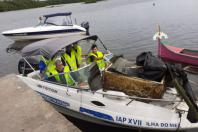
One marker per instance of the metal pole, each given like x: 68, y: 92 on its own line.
x: 103, y: 44
x: 184, y: 95
x: 141, y: 98
x: 29, y: 64
x: 159, y: 41
x: 31, y: 67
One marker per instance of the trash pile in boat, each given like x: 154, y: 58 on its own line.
x: 149, y: 78
x: 145, y: 79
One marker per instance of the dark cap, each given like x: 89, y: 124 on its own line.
x: 93, y: 46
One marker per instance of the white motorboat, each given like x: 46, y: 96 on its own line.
x: 52, y: 25
x: 113, y: 108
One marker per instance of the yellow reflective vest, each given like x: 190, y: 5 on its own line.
x: 78, y: 54
x: 50, y: 65
x: 68, y: 79
x: 101, y: 63
x: 42, y: 58
x: 71, y: 60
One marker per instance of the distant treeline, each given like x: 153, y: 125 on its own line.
x: 8, y: 5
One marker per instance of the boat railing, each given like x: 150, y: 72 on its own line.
x: 136, y: 98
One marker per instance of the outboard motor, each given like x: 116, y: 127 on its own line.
x: 86, y: 26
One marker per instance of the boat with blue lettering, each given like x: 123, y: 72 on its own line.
x: 89, y: 101
x: 50, y: 25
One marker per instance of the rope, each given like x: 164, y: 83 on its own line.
x: 180, y: 115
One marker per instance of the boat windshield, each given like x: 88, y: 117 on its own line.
x: 86, y: 46
x: 59, y: 21
x: 81, y: 76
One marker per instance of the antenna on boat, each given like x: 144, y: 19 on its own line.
x: 103, y: 45
x: 75, y: 21
x: 158, y: 36
x: 158, y: 28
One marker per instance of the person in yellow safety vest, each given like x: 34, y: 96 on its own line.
x: 49, y: 64
x: 60, y: 74
x: 78, y: 53
x: 97, y: 56
x: 70, y: 59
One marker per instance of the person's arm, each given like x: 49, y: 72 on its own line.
x: 99, y: 58
x: 92, y: 58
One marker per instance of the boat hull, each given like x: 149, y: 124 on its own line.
x: 39, y: 37
x: 43, y: 32
x: 77, y: 115
x: 71, y: 113
x: 174, y: 54
x: 97, y: 108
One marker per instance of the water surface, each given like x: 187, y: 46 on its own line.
x: 125, y: 26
